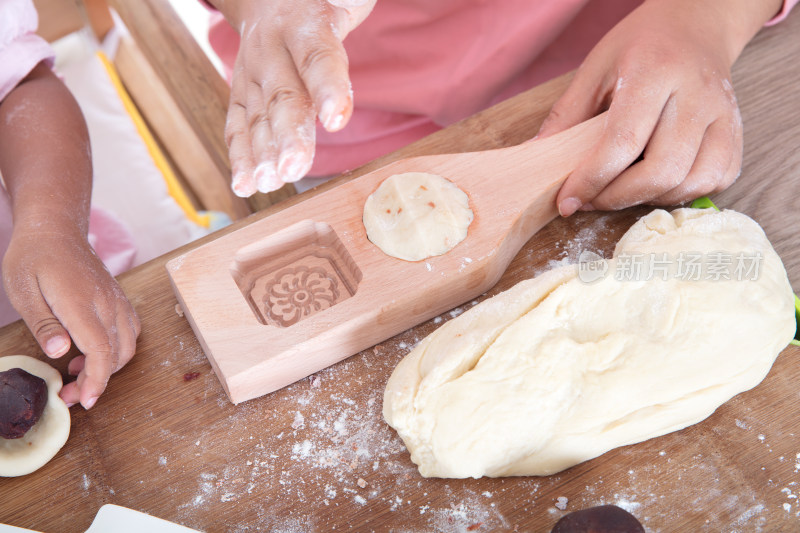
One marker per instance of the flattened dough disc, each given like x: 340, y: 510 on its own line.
x: 416, y: 215
x: 41, y: 443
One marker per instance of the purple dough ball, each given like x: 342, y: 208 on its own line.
x: 601, y: 519
x: 23, y: 397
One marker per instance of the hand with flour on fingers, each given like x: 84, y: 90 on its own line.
x: 290, y: 69
x: 51, y: 274
x: 673, y: 130
x: 65, y: 294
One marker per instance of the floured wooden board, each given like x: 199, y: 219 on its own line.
x: 300, y: 290
x: 317, y: 455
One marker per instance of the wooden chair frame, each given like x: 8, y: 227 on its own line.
x: 176, y: 88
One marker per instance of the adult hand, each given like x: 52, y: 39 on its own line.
x: 291, y: 67
x: 663, y: 73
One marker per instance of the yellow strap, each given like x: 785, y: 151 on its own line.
x: 173, y: 185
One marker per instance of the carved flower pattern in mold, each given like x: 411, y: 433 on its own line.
x: 300, y: 292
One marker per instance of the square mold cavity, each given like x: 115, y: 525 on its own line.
x: 295, y: 273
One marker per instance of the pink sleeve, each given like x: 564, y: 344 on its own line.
x: 20, y: 48
x: 787, y: 6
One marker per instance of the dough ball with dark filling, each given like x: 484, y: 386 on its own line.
x: 23, y: 397
x: 601, y: 519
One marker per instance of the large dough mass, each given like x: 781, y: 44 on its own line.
x: 22, y: 456
x: 417, y: 215
x: 556, y: 371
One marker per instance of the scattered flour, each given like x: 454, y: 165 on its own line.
x: 629, y: 506
x: 589, y: 238
x: 299, y: 421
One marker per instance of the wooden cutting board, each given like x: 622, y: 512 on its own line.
x: 225, y: 287
x: 317, y: 455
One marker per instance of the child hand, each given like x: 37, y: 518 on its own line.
x: 291, y: 67
x: 62, y: 289
x: 664, y: 74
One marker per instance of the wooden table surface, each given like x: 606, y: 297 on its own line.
x: 317, y: 456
